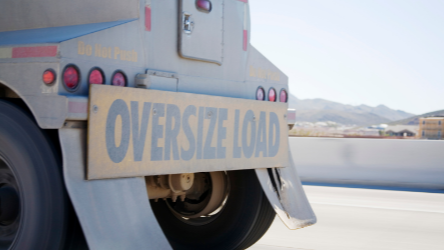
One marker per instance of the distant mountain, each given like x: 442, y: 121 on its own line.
x: 342, y: 117
x: 386, y: 112
x: 314, y: 110
x: 414, y: 120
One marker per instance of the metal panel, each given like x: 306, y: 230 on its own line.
x: 261, y: 71
x: 114, y: 214
x: 48, y: 108
x: 29, y: 14
x: 283, y: 188
x: 161, y: 51
x: 201, y: 33
x: 137, y: 132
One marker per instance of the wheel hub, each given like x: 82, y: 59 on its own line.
x: 9, y: 205
x: 204, y: 200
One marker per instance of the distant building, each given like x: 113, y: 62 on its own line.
x: 379, y: 127
x: 402, y: 130
x: 431, y: 128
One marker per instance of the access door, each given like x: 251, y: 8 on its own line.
x: 201, y: 30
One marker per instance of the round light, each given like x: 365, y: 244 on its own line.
x: 96, y: 77
x: 260, y: 94
x: 119, y: 80
x: 283, y: 95
x: 272, y: 95
x: 71, y: 77
x: 49, y: 76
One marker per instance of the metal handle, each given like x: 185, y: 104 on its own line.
x: 188, y: 23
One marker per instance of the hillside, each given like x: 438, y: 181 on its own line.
x: 314, y: 110
x: 414, y: 120
x: 342, y: 117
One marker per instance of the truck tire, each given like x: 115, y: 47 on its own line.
x: 243, y: 219
x: 33, y: 200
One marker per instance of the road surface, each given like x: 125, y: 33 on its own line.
x: 361, y: 219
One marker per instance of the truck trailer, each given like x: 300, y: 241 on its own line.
x: 141, y: 124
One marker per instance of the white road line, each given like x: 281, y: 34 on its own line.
x: 376, y: 207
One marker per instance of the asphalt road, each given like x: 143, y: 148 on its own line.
x: 356, y: 219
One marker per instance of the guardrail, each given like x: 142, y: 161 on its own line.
x: 381, y: 162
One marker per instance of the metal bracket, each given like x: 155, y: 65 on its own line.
x: 142, y: 81
x: 75, y: 124
x: 159, y: 73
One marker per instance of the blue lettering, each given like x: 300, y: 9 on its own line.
x: 222, y: 131
x: 200, y: 131
x: 274, y: 123
x: 249, y: 118
x: 209, y: 151
x: 139, y: 135
x: 118, y: 107
x: 188, y: 154
x: 171, y: 134
x: 157, y: 131
x: 261, y: 140
x: 236, y: 148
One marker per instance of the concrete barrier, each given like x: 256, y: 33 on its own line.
x: 398, y: 163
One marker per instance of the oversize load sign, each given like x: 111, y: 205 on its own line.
x: 138, y: 132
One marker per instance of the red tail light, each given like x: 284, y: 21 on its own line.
x: 283, y: 95
x: 119, y: 79
x: 260, y: 94
x: 96, y: 77
x: 204, y: 5
x: 272, y: 95
x: 49, y: 76
x: 71, y: 77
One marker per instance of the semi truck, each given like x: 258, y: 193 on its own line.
x: 141, y: 124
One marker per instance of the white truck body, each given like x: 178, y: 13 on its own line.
x: 173, y: 55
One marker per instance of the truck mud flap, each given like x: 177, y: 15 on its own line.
x: 113, y: 213
x: 286, y: 195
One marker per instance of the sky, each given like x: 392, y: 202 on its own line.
x: 370, y: 52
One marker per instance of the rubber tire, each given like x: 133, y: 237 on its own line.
x: 33, y: 160
x: 245, y: 218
